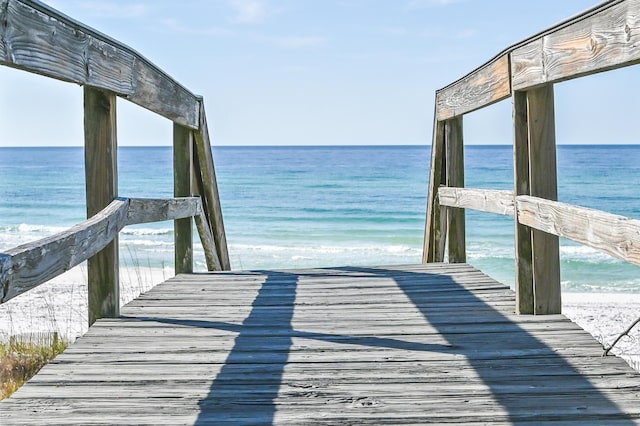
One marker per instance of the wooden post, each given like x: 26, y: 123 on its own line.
x: 524, y: 268
x: 544, y: 184
x: 537, y: 253
x: 182, y: 170
x: 455, y: 178
x: 101, y: 171
x: 435, y: 229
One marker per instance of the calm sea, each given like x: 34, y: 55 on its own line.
x: 288, y: 207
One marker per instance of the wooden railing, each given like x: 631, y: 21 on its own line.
x: 603, y: 38
x: 41, y: 40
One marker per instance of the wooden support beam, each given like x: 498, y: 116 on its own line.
x: 435, y: 228
x: 183, y: 228
x: 545, y: 248
x: 208, y: 188
x: 455, y: 178
x: 101, y: 189
x: 523, y: 257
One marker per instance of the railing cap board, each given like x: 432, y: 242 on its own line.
x: 474, y: 91
x: 40, y: 39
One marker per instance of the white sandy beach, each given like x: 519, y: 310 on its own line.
x: 61, y: 306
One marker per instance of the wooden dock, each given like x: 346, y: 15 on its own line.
x: 417, y: 344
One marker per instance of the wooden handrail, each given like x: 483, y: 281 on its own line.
x: 602, y: 38
x: 39, y: 39
x: 609, y: 233
x: 30, y: 265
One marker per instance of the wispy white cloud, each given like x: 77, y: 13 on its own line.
x: 249, y: 11
x: 176, y: 27
x: 293, y: 42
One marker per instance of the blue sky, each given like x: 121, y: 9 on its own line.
x: 298, y: 72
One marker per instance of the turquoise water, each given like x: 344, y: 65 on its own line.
x: 288, y: 207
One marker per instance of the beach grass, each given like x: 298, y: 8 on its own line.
x: 23, y: 356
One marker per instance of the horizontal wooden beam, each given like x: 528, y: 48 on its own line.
x: 32, y: 264
x: 485, y: 200
x: 616, y: 235
x: 146, y: 210
x: 482, y: 87
x: 602, y: 39
x: 39, y: 39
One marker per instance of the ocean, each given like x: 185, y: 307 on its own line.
x: 293, y: 207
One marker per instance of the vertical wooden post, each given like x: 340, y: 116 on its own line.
x: 544, y: 184
x: 524, y: 268
x: 101, y: 171
x: 435, y: 229
x: 182, y: 174
x: 455, y: 178
x: 537, y: 253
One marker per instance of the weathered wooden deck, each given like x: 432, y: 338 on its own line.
x: 402, y: 345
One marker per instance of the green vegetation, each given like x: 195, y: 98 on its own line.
x: 21, y: 358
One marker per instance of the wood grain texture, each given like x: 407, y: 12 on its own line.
x: 412, y: 344
x: 616, y: 235
x: 606, y: 38
x: 182, y: 172
x: 522, y: 234
x: 208, y: 189
x: 543, y: 182
x: 32, y: 264
x: 147, y: 210
x: 101, y: 177
x: 208, y: 242
x: 435, y: 227
x: 484, y: 200
x: 456, y: 233
x: 480, y: 88
x: 39, y: 39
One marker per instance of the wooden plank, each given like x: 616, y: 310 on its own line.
x: 101, y: 165
x: 39, y: 39
x: 182, y: 228
x: 456, y: 236
x: 543, y: 183
x: 147, y: 210
x: 484, y: 200
x: 208, y: 242
x: 603, y: 39
x: 435, y: 228
x: 523, y: 253
x: 482, y: 87
x: 209, y: 190
x: 616, y: 235
x: 290, y: 348
x: 32, y: 264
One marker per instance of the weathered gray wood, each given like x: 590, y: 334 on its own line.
x: 482, y: 87
x: 523, y: 254
x: 435, y: 229
x: 101, y: 171
x: 39, y: 39
x: 605, y: 38
x: 456, y: 235
x: 32, y: 264
x: 147, y: 210
x: 484, y: 200
x: 616, y: 235
x: 545, y: 248
x: 208, y: 242
x: 183, y: 228
x: 209, y: 189
x: 279, y: 353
